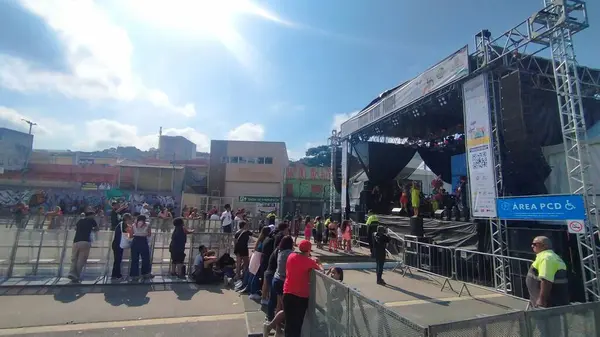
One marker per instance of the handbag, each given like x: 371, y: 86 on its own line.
x: 255, y: 262
x: 125, y: 241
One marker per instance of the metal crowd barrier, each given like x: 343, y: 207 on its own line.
x: 46, y: 253
x: 335, y: 310
x: 471, y: 268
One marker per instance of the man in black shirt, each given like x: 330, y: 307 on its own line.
x: 269, y: 246
x: 115, y: 214
x: 82, y: 244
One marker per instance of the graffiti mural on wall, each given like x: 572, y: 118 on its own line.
x: 75, y: 201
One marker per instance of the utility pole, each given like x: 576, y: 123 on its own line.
x: 31, y: 125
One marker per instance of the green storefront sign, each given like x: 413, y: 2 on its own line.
x: 264, y: 200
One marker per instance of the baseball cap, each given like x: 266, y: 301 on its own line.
x: 305, y: 246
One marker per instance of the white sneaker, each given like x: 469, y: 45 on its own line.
x: 254, y: 297
x: 266, y: 329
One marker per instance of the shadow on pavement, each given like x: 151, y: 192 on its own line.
x: 135, y: 296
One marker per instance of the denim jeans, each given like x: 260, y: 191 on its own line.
x: 254, y: 283
x: 276, y: 289
x: 379, y: 268
x: 140, y: 248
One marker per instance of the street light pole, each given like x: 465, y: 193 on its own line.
x: 31, y: 125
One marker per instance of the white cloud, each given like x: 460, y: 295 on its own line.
x: 247, y: 131
x: 96, y: 134
x: 104, y: 133
x: 295, y: 155
x: 98, y: 53
x: 338, y: 119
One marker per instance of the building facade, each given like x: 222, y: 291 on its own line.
x: 176, y: 148
x: 307, y: 190
x: 248, y: 172
x: 15, y: 147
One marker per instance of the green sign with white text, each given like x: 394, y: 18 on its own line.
x: 264, y: 200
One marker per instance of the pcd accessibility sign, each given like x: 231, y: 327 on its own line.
x: 542, y: 207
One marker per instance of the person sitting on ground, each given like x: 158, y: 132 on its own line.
x: 226, y: 265
x: 203, y: 267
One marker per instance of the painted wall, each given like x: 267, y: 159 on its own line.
x: 307, y: 189
x: 67, y: 198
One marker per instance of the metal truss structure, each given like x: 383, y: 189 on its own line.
x: 552, y: 27
x: 334, y: 144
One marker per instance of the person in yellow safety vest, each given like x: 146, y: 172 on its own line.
x: 546, y: 280
x: 326, y: 231
x: 271, y: 218
x: 372, y: 223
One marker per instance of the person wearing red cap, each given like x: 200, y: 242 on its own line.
x: 296, y: 288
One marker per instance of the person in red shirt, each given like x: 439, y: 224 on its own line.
x: 296, y: 288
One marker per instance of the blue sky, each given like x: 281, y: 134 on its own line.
x: 107, y: 73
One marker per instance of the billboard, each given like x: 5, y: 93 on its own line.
x: 451, y: 69
x: 480, y: 162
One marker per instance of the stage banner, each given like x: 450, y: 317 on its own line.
x: 480, y: 161
x: 344, y: 178
x: 451, y: 69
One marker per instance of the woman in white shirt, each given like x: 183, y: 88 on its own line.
x: 139, y: 234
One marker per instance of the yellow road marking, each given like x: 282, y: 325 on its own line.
x: 441, y: 300
x: 118, y: 324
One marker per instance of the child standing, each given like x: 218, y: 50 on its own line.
x: 308, y: 227
x: 319, y: 232
x: 347, y: 235
x: 333, y: 236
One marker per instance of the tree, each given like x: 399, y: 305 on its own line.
x: 319, y: 156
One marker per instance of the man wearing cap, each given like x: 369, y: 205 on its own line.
x: 296, y: 288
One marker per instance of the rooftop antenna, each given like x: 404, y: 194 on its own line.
x: 159, y: 138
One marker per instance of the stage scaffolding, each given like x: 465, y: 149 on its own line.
x: 552, y: 27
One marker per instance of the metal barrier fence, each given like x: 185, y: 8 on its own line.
x: 69, y: 221
x: 335, y: 310
x: 471, y: 268
x: 46, y: 253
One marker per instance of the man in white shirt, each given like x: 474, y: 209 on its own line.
x: 226, y: 219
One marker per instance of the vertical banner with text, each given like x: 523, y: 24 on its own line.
x: 344, y: 178
x: 480, y: 161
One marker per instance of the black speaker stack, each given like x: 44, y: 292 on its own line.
x: 525, y: 168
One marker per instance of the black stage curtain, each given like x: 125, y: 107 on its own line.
x: 439, y: 161
x: 386, y: 161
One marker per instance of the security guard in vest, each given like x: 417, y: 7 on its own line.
x: 547, y: 278
x: 271, y: 218
x: 372, y: 223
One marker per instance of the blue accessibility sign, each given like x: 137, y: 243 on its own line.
x: 543, y: 207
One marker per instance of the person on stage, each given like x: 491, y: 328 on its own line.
x: 380, y: 242
x: 415, y: 198
x: 462, y: 196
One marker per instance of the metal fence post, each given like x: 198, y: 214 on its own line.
x: 39, y: 253
x: 13, y: 253
x: 63, y: 253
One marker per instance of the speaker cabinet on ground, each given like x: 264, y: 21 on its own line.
x: 416, y: 226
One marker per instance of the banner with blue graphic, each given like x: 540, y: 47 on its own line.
x: 543, y: 207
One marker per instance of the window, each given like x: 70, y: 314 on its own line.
x: 234, y: 160
x: 261, y: 160
x: 242, y: 160
x: 225, y: 160
x: 252, y: 160
x: 268, y: 160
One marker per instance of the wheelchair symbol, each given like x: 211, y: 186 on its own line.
x: 569, y: 206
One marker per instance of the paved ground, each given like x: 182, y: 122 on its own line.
x: 166, y: 310
x: 420, y: 298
